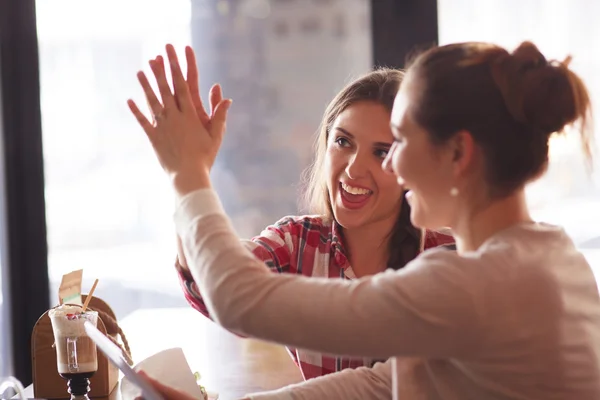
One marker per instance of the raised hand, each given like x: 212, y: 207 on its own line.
x: 184, y: 137
x: 215, y: 94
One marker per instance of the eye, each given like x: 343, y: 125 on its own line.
x: 342, y: 141
x: 381, y: 153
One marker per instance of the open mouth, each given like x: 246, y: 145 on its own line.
x: 355, y: 191
x: 354, y: 197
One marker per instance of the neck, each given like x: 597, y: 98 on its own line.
x: 368, y: 247
x: 478, y: 224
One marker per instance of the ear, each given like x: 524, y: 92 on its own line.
x: 461, y: 148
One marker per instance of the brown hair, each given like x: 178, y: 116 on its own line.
x: 511, y: 103
x: 380, y: 86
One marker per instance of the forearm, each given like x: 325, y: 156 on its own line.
x: 417, y: 311
x: 349, y: 384
x: 181, y: 255
x: 257, y: 303
x: 183, y: 185
x: 189, y: 286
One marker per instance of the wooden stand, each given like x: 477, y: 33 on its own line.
x: 47, y: 383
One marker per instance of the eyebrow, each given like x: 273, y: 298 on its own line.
x: 351, y: 136
x: 345, y: 132
x: 395, y: 129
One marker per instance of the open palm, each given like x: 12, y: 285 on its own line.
x: 185, y: 138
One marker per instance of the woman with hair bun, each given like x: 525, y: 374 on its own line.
x: 514, y: 313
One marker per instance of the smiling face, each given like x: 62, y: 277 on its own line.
x: 360, y: 191
x: 422, y: 167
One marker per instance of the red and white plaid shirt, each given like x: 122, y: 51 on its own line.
x: 310, y: 246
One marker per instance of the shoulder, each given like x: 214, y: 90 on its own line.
x: 292, y: 233
x: 439, y: 259
x: 294, y: 227
x: 542, y: 247
x: 443, y: 272
x: 502, y: 258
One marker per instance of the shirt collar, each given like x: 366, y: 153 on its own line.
x: 338, y: 250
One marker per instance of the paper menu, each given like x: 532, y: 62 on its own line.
x: 169, y: 367
x: 70, y: 288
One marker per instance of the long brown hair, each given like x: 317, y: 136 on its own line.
x: 379, y: 86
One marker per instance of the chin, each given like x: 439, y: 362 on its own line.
x: 425, y: 221
x: 417, y: 223
x: 419, y: 219
x: 345, y: 220
x: 348, y: 221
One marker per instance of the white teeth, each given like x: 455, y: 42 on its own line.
x: 355, y: 190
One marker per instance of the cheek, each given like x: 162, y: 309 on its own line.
x: 388, y: 186
x: 331, y: 168
x: 416, y: 168
x: 335, y: 160
x: 328, y: 162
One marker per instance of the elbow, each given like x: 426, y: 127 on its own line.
x: 223, y: 317
x: 232, y: 297
x: 231, y: 321
x: 229, y: 314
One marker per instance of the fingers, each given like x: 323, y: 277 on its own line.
x: 193, y: 82
x: 219, y: 118
x: 153, y: 102
x: 141, y: 118
x: 158, y: 69
x: 182, y: 92
x: 216, y: 96
x: 185, y: 93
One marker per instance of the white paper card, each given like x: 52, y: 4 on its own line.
x: 169, y: 367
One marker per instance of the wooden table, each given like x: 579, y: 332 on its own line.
x: 229, y: 365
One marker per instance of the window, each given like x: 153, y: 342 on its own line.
x: 108, y: 202
x: 568, y: 195
x: 4, y: 328
x: 6, y: 367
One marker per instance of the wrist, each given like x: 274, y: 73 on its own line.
x: 184, y: 271
x: 185, y: 183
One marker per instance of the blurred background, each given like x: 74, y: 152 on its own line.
x: 82, y: 188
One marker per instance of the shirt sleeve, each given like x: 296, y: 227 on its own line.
x: 428, y: 309
x: 349, y: 384
x: 276, y: 245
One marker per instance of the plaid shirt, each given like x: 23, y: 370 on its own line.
x: 309, y: 246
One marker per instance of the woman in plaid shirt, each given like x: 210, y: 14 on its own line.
x: 361, y: 223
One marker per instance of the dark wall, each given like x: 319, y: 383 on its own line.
x: 401, y: 27
x: 23, y: 217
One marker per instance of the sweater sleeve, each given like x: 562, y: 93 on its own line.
x: 428, y: 309
x: 275, y: 247
x: 349, y: 384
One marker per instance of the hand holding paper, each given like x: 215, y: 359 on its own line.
x: 171, y: 368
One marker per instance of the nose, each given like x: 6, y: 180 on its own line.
x: 357, y: 166
x: 387, y: 161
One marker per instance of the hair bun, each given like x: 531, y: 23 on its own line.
x: 528, y: 57
x: 536, y: 92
